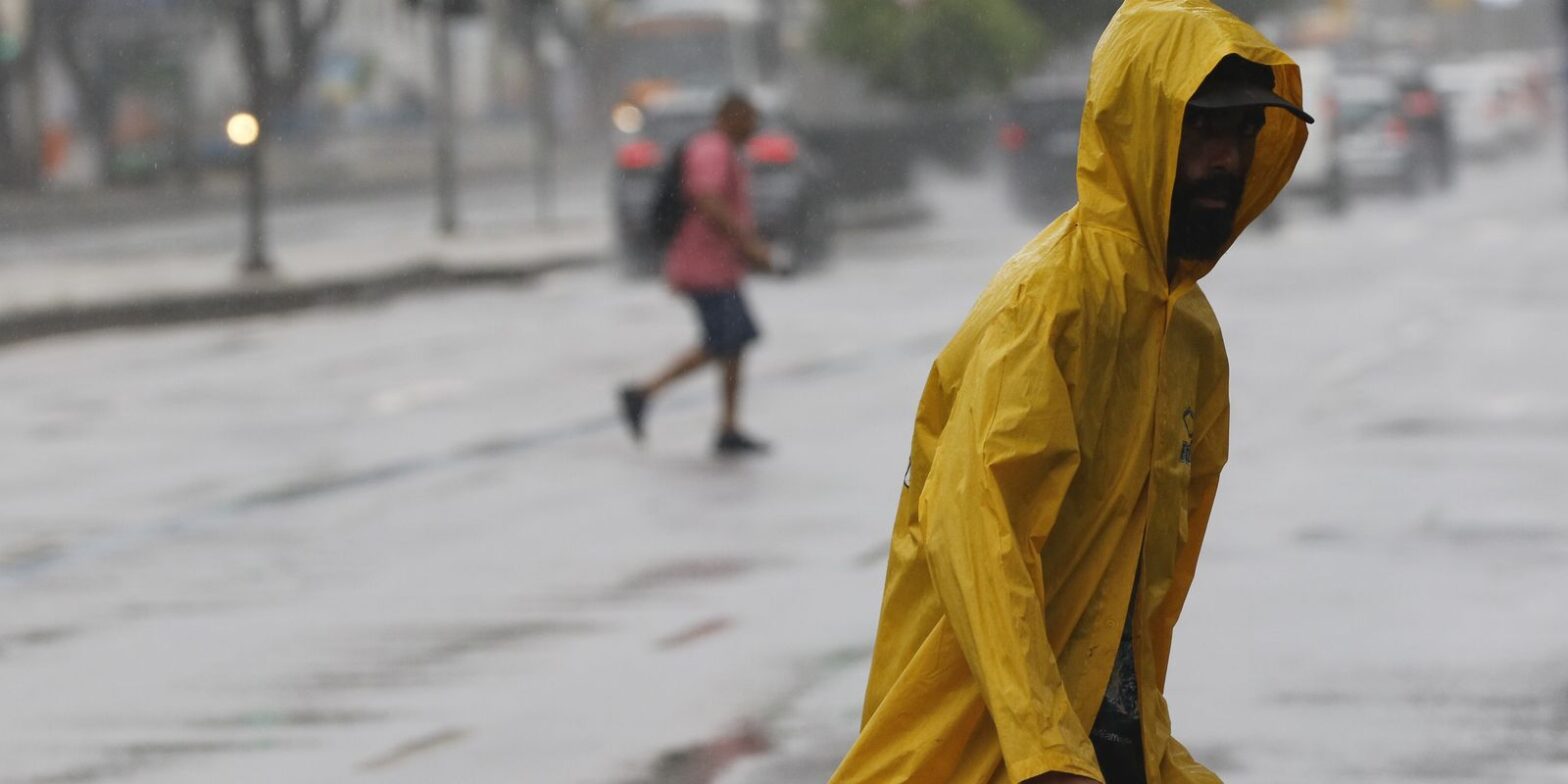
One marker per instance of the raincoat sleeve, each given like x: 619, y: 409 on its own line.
x: 1209, y: 455
x: 1210, y: 451
x: 999, y: 474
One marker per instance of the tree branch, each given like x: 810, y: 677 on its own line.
x: 68, y: 15
x: 304, y: 45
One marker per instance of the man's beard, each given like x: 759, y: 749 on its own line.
x: 1199, y: 233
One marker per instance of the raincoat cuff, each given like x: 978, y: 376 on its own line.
x: 1053, y: 762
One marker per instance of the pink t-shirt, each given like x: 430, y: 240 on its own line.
x: 701, y: 258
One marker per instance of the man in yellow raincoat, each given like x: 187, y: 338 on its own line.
x: 1070, y: 438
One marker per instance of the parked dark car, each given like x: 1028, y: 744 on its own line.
x: 790, y: 193
x: 1039, y: 139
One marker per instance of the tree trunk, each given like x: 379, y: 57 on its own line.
x: 445, y: 124
x: 100, y: 125
x: 10, y: 156
x: 185, y: 131
x: 257, y: 261
x: 95, y: 87
x: 541, y: 113
x: 33, y: 119
x: 21, y: 115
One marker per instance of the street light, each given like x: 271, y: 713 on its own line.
x: 243, y: 129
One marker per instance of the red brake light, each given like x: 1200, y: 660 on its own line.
x: 1013, y: 137
x: 775, y: 149
x: 641, y: 154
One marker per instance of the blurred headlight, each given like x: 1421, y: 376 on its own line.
x: 627, y: 118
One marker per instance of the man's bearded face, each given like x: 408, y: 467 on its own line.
x: 1216, y: 154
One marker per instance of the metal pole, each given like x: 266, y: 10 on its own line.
x: 445, y: 124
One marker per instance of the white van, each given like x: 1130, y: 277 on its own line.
x: 1320, y: 173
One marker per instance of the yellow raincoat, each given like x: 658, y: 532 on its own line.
x: 1071, y: 432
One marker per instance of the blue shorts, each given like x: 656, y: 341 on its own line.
x: 726, y: 323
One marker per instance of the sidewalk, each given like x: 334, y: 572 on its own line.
x: 98, y: 289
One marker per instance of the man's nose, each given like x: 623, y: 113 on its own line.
x: 1222, y: 155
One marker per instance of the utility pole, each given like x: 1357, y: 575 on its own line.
x: 445, y: 121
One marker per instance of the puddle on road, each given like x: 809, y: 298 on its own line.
x: 1470, y: 534
x: 25, y: 556
x: 414, y: 747
x: 414, y: 655
x: 122, y: 762
x: 684, y: 572
x: 1322, y: 535
x: 1538, y: 536
x: 1223, y: 760
x: 875, y: 555
x: 1445, y: 426
x: 286, y: 719
x: 693, y: 633
x: 705, y: 762
x: 1492, y: 735
x: 16, y: 642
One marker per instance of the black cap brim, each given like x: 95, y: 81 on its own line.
x: 1238, y: 95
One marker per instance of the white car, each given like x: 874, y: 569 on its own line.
x: 1479, y: 97
x: 1320, y: 172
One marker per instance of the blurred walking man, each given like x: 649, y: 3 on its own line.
x: 706, y: 262
x: 1069, y: 442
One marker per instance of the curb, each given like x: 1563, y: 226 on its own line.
x: 271, y: 299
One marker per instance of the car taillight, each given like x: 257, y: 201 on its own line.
x: 1013, y: 137
x: 641, y: 154
x: 773, y: 149
x: 1398, y: 131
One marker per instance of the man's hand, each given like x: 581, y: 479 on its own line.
x: 1060, y: 778
x: 758, y: 254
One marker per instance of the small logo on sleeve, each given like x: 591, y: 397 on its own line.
x: 1189, y: 420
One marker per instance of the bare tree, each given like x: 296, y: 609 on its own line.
x: 527, y: 20
x: 272, y: 91
x: 102, y: 44
x: 94, y: 79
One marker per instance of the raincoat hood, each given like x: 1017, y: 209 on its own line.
x: 1148, y: 64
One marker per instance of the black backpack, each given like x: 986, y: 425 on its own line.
x: 669, y: 203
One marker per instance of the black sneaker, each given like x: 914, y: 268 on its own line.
x: 633, y: 402
x: 733, y: 443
